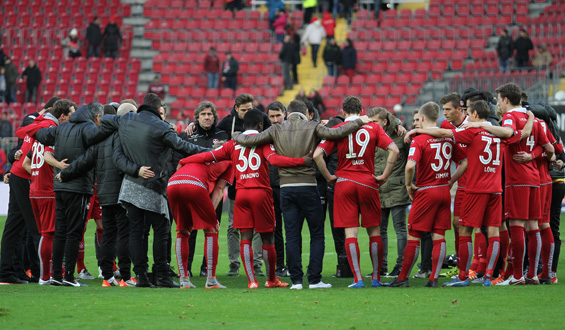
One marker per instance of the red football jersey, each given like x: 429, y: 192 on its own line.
x: 251, y: 169
x: 484, y: 159
x: 41, y: 172
x: 356, y: 153
x: 207, y: 174
x: 526, y: 174
x: 17, y: 168
x: 542, y: 163
x: 433, y: 159
x: 462, y: 182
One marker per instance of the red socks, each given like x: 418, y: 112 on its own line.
x: 211, y: 249
x: 518, y: 247
x: 182, y: 249
x: 504, y: 242
x: 547, y: 249
x: 45, y: 255
x: 492, y: 255
x: 376, y: 251
x: 457, y: 242
x: 534, y: 251
x: 438, y: 255
x: 465, y: 250
x: 481, y: 256
x: 270, y: 260
x: 352, y: 250
x: 411, y: 253
x: 246, y: 253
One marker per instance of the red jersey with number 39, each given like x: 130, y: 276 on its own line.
x: 433, y: 159
x: 462, y: 182
x: 356, y: 152
x: 526, y: 174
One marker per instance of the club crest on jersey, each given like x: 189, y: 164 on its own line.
x: 272, y: 147
x: 412, y: 151
x: 215, y: 141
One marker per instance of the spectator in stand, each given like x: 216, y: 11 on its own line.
x: 349, y: 59
x: 329, y: 25
x: 542, y: 58
x: 301, y: 96
x: 11, y: 77
x: 504, y: 49
x: 523, y: 45
x: 230, y: 67
x: 332, y: 57
x: 286, y: 55
x: 157, y: 87
x: 71, y: 46
x: 3, y: 56
x: 274, y: 6
x: 280, y: 24
x: 347, y: 6
x: 257, y: 104
x: 317, y: 101
x: 313, y: 35
x: 2, y: 84
x: 212, y: 68
x: 33, y: 75
x: 296, y: 58
x: 309, y: 6
x: 94, y: 37
x: 3, y: 161
x: 5, y: 126
x: 112, y: 39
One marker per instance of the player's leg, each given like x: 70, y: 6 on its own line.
x: 353, y: 257
x: 410, y: 257
x: 534, y: 250
x: 438, y: 254
x: 465, y: 252
x: 547, y: 241
x: 246, y: 253
x: 517, y: 209
x: 376, y: 253
x: 492, y: 252
x: 80, y: 258
x: 504, y: 244
x: 385, y: 214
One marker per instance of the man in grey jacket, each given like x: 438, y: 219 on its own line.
x: 296, y: 137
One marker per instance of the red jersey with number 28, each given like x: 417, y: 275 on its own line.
x: 251, y: 169
x: 433, y: 159
x: 356, y: 152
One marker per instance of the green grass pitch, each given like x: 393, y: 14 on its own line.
x: 32, y: 306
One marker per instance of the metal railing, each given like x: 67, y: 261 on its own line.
x: 556, y: 74
x: 8, y: 143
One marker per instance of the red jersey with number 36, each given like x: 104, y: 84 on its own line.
x: 433, y: 159
x: 526, y: 174
x: 356, y: 152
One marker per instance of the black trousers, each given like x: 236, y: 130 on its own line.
x: 138, y: 240
x: 427, y: 245
x: 70, y: 218
x: 558, y: 192
x: 337, y: 233
x: 192, y: 241
x: 279, y: 237
x: 115, y: 241
x: 20, y: 217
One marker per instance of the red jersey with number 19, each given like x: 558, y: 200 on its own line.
x: 356, y: 152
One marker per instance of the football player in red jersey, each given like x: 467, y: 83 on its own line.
x: 357, y: 188
x: 431, y: 209
x: 254, y: 201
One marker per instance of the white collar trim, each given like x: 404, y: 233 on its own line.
x: 351, y: 118
x: 250, y: 131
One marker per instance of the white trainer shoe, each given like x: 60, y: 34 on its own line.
x: 320, y: 285
x: 297, y: 286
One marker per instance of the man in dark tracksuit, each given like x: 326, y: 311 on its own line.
x: 147, y: 139
x: 71, y: 139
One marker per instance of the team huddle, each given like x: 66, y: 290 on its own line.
x: 67, y: 154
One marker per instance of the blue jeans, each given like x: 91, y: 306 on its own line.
x: 399, y: 221
x: 297, y: 203
x: 231, y: 82
x: 93, y: 50
x: 504, y: 65
x: 315, y: 49
x: 212, y: 80
x: 332, y: 69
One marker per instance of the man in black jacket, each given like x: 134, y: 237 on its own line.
x: 523, y: 45
x: 147, y: 139
x: 33, y: 80
x: 504, y: 49
x: 94, y: 37
x: 70, y: 140
x: 332, y: 57
x: 206, y: 134
x: 230, y: 67
x: 286, y: 55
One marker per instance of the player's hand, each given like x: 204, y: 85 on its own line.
x: 324, y: 122
x: 450, y: 183
x: 190, y: 129
x: 558, y: 164
x: 400, y: 130
x: 409, y: 136
x: 522, y: 157
x: 63, y: 164
x: 380, y: 179
x: 7, y: 178
x: 145, y: 172
x: 218, y: 144
x: 58, y: 177
x: 365, y: 119
x: 217, y: 227
x: 332, y: 179
x: 530, y: 114
x: 179, y: 166
x: 471, y: 125
x: 308, y: 160
x: 412, y: 190
x: 18, y: 154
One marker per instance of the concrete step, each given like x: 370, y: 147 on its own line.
x: 143, y: 53
x: 141, y: 43
x: 134, y: 2
x: 135, y: 21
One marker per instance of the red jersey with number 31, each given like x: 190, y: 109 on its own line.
x: 356, y: 153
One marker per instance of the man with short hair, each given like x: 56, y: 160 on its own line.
x: 33, y: 79
x: 299, y: 194
x: 357, y: 188
x: 94, y: 37
x: 230, y: 67
x: 212, y: 68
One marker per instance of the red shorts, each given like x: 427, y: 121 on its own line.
x: 521, y: 203
x: 94, y: 209
x: 482, y: 210
x: 545, y: 202
x: 44, y: 212
x: 458, y: 202
x: 191, y: 206
x: 254, y: 209
x: 431, y: 210
x: 354, y: 198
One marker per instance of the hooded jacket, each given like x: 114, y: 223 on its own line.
x: 147, y: 140
x: 94, y: 34
x: 504, y: 48
x: 314, y: 33
x: 332, y: 54
x: 71, y: 140
x: 33, y: 75
x: 349, y: 58
x: 329, y: 24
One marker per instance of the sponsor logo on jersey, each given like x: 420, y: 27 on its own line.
x: 507, y: 122
x: 412, y: 151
